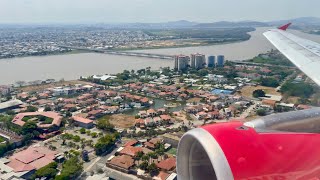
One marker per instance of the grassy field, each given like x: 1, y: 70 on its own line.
x: 121, y: 120
x: 42, y: 119
x: 56, y: 84
x: 173, y: 151
x: 248, y: 90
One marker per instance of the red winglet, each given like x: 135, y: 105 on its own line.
x: 284, y: 27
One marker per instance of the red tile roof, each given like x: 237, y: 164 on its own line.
x: 149, y: 145
x: 168, y: 164
x: 131, y: 143
x: 155, y: 140
x: 144, y: 100
x: 94, y: 112
x: 131, y: 151
x: 165, y: 117
x: 123, y: 161
x: 150, y: 111
x: 31, y: 158
x: 163, y: 175
x: 82, y: 120
x: 55, y: 116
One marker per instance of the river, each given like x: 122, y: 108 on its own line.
x: 234, y: 51
x: 72, y: 66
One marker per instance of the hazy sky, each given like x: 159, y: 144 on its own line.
x: 112, y: 11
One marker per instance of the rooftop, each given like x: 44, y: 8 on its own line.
x: 131, y: 151
x: 10, y: 103
x: 123, y: 161
x: 55, y: 116
x: 167, y: 164
x: 82, y: 120
x: 31, y: 158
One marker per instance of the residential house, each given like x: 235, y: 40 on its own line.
x: 122, y: 163
x: 83, y: 122
x: 167, y: 164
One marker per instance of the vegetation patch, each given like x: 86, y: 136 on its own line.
x: 41, y: 119
x: 301, y: 89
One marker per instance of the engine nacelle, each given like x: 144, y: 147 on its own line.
x: 276, y: 147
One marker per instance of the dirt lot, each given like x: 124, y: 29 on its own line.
x: 183, y: 117
x: 292, y: 99
x: 122, y: 120
x: 197, y: 100
x: 247, y: 90
x: 45, y: 86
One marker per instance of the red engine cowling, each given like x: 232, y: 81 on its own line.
x: 276, y: 147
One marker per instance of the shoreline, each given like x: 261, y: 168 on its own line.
x: 129, y: 49
x: 50, y: 54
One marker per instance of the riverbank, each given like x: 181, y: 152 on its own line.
x: 193, y: 44
x: 180, y: 46
x: 50, y: 54
x: 71, y: 66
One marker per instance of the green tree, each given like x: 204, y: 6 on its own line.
x: 144, y: 165
x: 145, y: 157
x: 71, y: 169
x: 76, y: 138
x: 29, y: 128
x: 105, y: 125
x: 153, y: 169
x: 49, y: 171
x: 94, y: 134
x: 261, y: 112
x: 31, y: 109
x: 139, y: 155
x: 82, y: 130
x: 10, y: 112
x: 105, y: 143
x: 302, y: 89
x: 258, y: 93
x: 269, y: 82
x: 47, y: 108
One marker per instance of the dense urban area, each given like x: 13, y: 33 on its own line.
x: 128, y: 125
x: 36, y: 41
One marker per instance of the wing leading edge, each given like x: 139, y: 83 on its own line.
x: 305, y: 54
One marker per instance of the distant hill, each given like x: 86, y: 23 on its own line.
x: 182, y: 23
x: 171, y: 24
x: 227, y: 24
x: 299, y: 22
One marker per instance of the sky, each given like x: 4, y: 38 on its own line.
x: 129, y: 11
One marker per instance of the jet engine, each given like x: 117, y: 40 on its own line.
x: 276, y: 147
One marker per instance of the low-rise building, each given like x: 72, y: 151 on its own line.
x: 167, y: 164
x: 24, y: 163
x: 82, y: 122
x: 122, y: 163
x: 55, y: 121
x: 9, y: 105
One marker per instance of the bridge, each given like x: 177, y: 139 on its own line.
x: 124, y: 53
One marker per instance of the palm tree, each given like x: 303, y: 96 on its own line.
x: 66, y: 154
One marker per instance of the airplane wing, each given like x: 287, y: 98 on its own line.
x: 305, y: 54
x: 259, y: 149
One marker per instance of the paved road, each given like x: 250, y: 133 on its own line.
x: 92, y: 164
x: 100, y: 160
x: 119, y: 175
x: 247, y: 112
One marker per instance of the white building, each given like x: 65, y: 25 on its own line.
x: 181, y: 62
x: 104, y: 77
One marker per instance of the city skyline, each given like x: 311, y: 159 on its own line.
x: 124, y: 11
